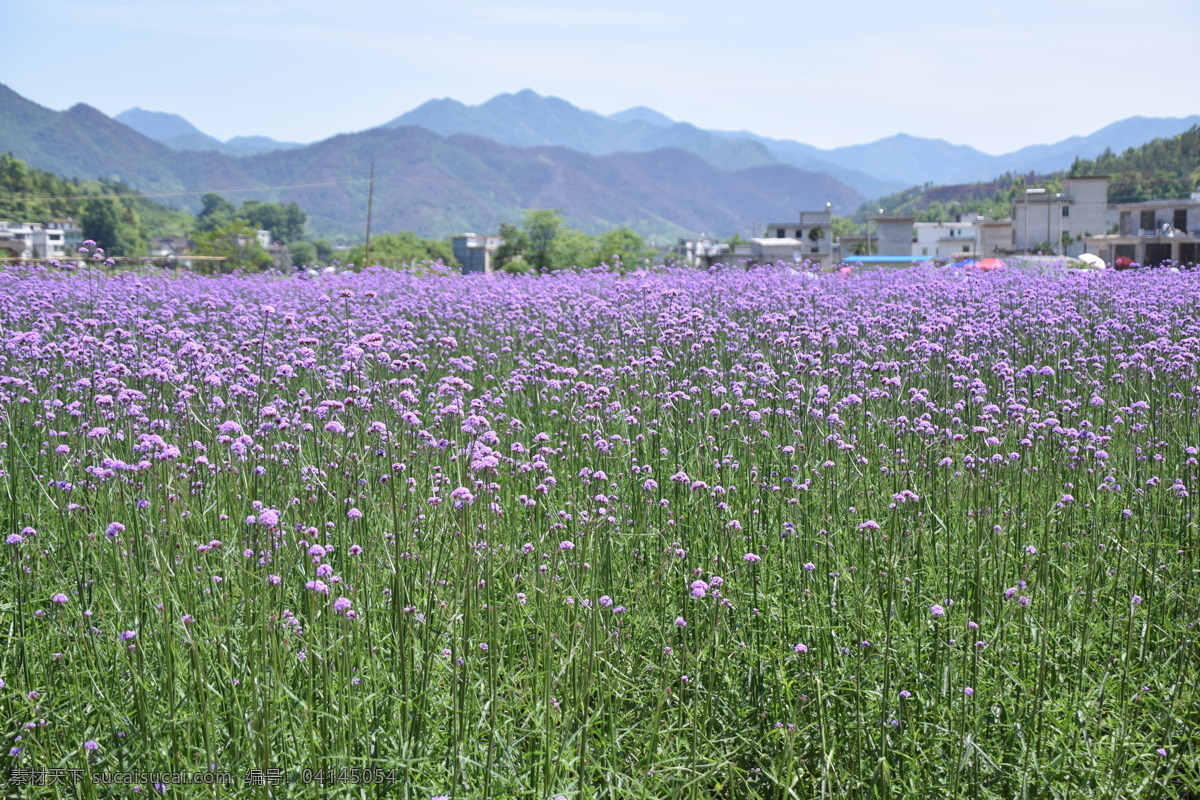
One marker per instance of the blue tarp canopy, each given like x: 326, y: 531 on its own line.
x: 886, y: 259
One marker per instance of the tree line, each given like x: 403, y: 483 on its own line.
x: 124, y: 222
x: 545, y: 243
x: 1162, y: 168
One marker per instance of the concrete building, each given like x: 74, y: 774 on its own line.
x: 1152, y: 232
x: 995, y: 237
x: 846, y: 248
x: 475, y: 252
x: 813, y: 232
x: 1061, y: 218
x: 893, y: 236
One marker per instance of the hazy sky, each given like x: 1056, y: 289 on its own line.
x: 995, y: 75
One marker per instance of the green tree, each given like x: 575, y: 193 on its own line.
x: 542, y: 227
x: 622, y: 247
x: 285, y: 222
x: 515, y: 266
x: 215, y: 212
x: 324, y: 250
x: 843, y: 226
x: 303, y: 253
x: 113, y: 226
x: 236, y: 242
x: 512, y: 250
x: 101, y: 223
x: 736, y: 239
x: 572, y: 249
x: 402, y: 246
x: 545, y: 243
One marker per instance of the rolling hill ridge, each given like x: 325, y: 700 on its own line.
x: 431, y: 184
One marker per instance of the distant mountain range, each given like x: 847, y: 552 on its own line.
x: 897, y: 162
x: 434, y: 185
x: 527, y: 119
x: 446, y: 167
x: 178, y: 134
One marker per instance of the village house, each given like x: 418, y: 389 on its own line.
x: 51, y: 240
x: 1151, y: 232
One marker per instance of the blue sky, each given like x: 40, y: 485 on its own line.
x: 998, y: 75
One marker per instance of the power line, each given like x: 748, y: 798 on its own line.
x: 182, y: 193
x: 414, y: 179
x: 407, y: 179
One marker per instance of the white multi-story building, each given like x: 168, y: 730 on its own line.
x: 42, y: 240
x: 703, y: 252
x: 947, y: 239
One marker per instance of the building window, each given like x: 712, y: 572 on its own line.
x: 1066, y: 211
x: 799, y: 234
x: 1181, y: 219
x: 1147, y: 221
x: 780, y: 233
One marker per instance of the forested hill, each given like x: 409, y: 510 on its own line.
x: 1163, y: 168
x: 33, y: 195
x: 930, y: 203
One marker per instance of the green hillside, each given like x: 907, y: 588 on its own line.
x: 1163, y: 168
x: 34, y: 195
x: 931, y: 203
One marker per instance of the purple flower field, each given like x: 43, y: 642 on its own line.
x: 766, y: 533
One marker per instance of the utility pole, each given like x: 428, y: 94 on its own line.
x: 370, y: 201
